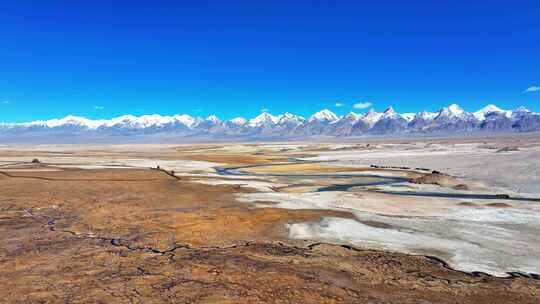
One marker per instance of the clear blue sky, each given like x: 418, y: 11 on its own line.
x: 101, y: 59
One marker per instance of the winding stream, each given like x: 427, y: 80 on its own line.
x: 368, y: 180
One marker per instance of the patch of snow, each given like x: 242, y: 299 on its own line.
x: 408, y: 116
x: 240, y: 121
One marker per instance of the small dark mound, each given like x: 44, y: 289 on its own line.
x: 461, y: 187
x: 36, y: 161
x: 498, y: 205
x: 508, y: 149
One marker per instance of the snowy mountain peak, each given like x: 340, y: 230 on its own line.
x: 482, y: 113
x: 490, y: 108
x: 522, y: 109
x: 352, y: 116
x: 372, y: 117
x: 520, y: 112
x: 263, y: 118
x: 455, y: 109
x: 290, y: 118
x: 324, y: 115
x: 74, y: 118
x: 425, y: 115
x: 240, y: 121
x: 185, y: 119
x: 389, y: 112
x: 287, y: 114
x: 451, y: 111
x: 213, y: 118
x: 68, y: 120
x: 146, y: 121
x: 408, y: 116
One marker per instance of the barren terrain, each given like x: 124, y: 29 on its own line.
x: 426, y: 221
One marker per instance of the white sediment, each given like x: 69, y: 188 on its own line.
x: 464, y: 246
x: 516, y: 172
x: 478, y: 238
x: 257, y: 185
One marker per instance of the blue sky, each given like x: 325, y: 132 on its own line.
x: 99, y: 59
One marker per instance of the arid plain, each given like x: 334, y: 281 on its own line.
x: 369, y: 221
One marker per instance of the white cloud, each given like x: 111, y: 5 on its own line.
x: 99, y: 108
x: 339, y: 104
x: 362, y: 105
x: 532, y: 89
x: 265, y: 110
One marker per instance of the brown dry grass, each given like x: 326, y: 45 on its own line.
x: 107, y: 236
x: 232, y: 159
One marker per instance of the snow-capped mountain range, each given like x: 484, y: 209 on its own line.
x: 447, y: 120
